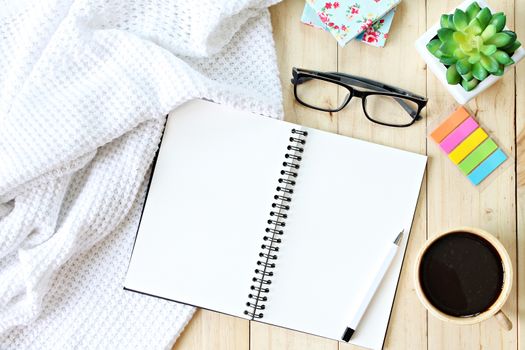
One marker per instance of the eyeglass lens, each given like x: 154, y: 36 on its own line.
x: 329, y: 96
x: 389, y: 110
x: 322, y: 94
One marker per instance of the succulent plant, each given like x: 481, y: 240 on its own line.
x: 473, y: 44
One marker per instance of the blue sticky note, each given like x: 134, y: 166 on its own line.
x: 487, y: 166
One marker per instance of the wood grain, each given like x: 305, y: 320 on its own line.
x: 447, y: 199
x: 454, y: 202
x: 519, y: 16
x: 303, y: 47
x: 408, y: 321
x: 264, y: 337
x: 212, y: 330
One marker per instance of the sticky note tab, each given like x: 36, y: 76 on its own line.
x: 449, y: 124
x: 477, y: 156
x: 487, y: 166
x: 468, y: 145
x: 459, y: 134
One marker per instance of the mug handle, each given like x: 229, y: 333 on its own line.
x: 503, y: 320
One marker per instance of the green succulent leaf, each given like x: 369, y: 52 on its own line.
x: 477, y: 42
x: 484, y: 16
x: 453, y: 76
x: 499, y: 20
x: 489, y: 63
x: 472, y: 10
x: 474, y: 58
x: 463, y: 66
x: 459, y: 54
x: 509, y: 32
x: 488, y: 32
x: 473, y: 44
x: 445, y: 34
x: 469, y: 85
x: 503, y: 58
x: 510, y: 49
x: 433, y: 46
x: 467, y: 76
x: 451, y: 21
x: 501, y: 39
x: 460, y: 19
x: 513, y: 35
x: 444, y: 22
x: 479, y: 72
x: 448, y: 47
x: 474, y: 27
x: 447, y: 60
x: 460, y: 37
x: 500, y: 71
x: 467, y: 47
x: 488, y: 49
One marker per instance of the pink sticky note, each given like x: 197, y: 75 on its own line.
x: 459, y: 134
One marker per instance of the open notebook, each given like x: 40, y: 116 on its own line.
x: 272, y: 221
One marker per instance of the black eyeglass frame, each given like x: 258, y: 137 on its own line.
x: 348, y: 81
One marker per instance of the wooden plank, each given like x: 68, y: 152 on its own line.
x: 453, y: 201
x: 519, y: 13
x: 297, y: 45
x: 396, y: 64
x: 302, y: 46
x: 265, y: 337
x: 212, y: 330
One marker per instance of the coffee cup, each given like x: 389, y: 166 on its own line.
x: 464, y: 276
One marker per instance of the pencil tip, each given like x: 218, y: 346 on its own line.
x: 397, y: 241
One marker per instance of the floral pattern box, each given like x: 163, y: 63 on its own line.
x: 374, y: 35
x: 346, y: 19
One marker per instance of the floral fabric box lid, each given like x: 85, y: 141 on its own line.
x: 346, y: 19
x: 374, y: 35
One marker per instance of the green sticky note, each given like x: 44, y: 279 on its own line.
x: 477, y: 156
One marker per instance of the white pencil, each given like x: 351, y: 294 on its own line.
x: 379, y: 274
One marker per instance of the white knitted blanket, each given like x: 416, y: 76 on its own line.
x: 84, y: 88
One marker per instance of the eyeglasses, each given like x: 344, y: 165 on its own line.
x: 382, y: 104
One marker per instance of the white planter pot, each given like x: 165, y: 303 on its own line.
x: 440, y: 70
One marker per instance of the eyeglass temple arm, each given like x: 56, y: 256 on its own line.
x: 373, y: 85
x: 377, y: 84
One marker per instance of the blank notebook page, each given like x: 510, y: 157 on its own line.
x: 207, y: 206
x: 209, y: 202
x: 351, y: 199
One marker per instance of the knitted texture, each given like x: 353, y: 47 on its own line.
x: 84, y: 88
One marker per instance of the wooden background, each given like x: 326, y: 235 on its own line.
x: 447, y: 199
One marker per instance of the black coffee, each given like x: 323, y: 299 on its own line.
x: 461, y: 274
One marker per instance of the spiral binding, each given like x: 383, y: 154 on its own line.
x: 276, y: 223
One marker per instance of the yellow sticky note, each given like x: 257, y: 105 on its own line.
x: 468, y: 145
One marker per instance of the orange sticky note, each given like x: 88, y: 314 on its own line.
x: 449, y: 124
